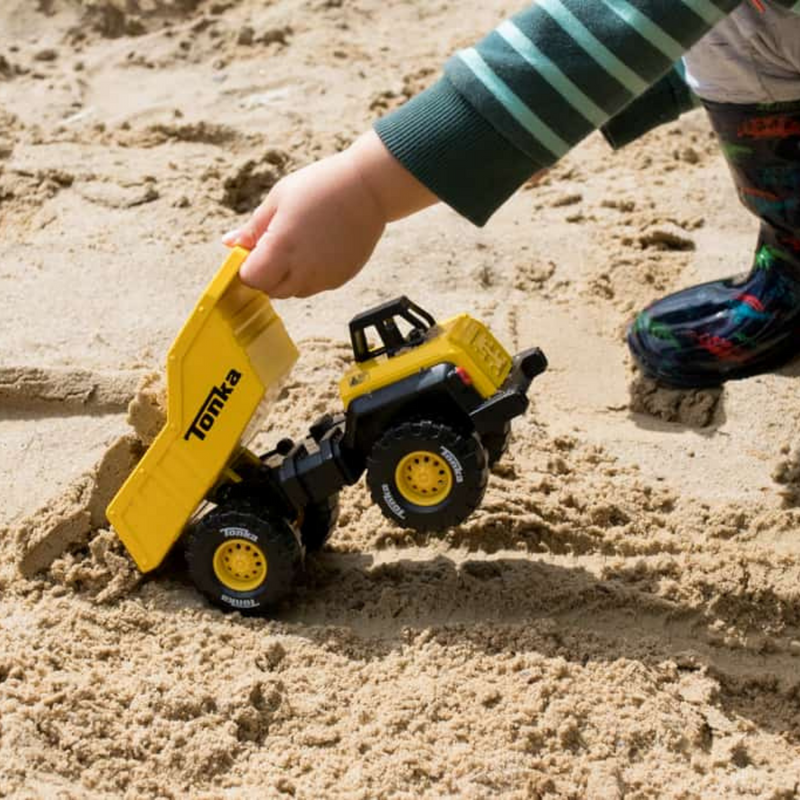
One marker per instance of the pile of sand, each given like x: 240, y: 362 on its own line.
x: 69, y: 537
x: 620, y: 618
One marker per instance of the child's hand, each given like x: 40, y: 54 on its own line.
x: 318, y: 227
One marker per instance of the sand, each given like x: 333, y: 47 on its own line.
x: 621, y: 617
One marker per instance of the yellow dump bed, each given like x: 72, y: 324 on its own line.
x: 231, y: 356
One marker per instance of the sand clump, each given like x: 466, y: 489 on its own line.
x: 117, y: 18
x: 70, y: 519
x: 65, y: 388
x: 160, y: 133
x: 70, y: 535
x: 147, y: 411
x: 695, y: 408
x: 787, y: 475
x: 249, y: 182
x: 24, y: 192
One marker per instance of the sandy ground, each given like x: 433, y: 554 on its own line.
x: 622, y: 616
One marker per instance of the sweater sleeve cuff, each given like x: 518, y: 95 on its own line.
x: 663, y: 102
x: 450, y: 148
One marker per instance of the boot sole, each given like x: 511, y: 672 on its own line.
x: 777, y: 358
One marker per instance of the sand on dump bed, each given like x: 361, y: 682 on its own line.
x: 621, y: 617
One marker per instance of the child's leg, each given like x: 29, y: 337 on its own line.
x: 750, y: 57
x: 742, y: 326
x: 738, y: 327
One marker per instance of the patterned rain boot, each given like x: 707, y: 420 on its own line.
x: 750, y: 324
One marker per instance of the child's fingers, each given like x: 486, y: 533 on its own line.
x: 230, y: 238
x: 283, y: 290
x: 264, y: 268
x: 240, y: 238
x: 249, y: 234
x: 252, y: 231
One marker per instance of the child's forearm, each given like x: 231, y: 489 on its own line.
x: 395, y: 190
x: 536, y: 86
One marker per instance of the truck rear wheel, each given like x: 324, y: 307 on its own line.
x: 426, y: 475
x: 242, y: 557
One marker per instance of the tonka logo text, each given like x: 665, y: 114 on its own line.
x: 212, y: 407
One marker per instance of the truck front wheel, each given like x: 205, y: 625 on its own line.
x: 242, y: 557
x: 426, y: 475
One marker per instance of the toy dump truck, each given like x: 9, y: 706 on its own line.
x: 426, y: 410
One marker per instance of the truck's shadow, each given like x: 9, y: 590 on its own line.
x: 518, y: 605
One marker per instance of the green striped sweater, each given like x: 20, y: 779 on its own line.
x: 536, y: 86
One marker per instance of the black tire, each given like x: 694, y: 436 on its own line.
x: 496, y: 443
x: 319, y: 520
x: 466, y: 460
x: 258, y: 530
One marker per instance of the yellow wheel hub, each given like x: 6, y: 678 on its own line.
x: 241, y: 566
x: 424, y: 478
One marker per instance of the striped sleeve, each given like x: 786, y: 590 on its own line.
x: 665, y: 101
x: 543, y: 80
